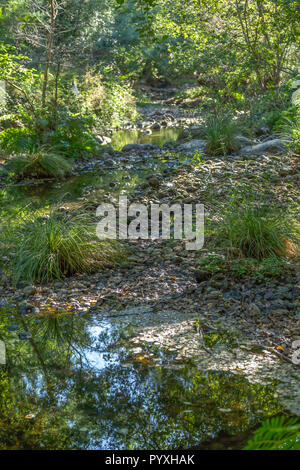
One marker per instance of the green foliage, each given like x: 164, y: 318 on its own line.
x: 108, y: 99
x: 118, y: 105
x: 277, y: 433
x: 221, y: 132
x: 295, y: 134
x: 43, y: 164
x: 270, y: 108
x: 12, y: 67
x: 56, y: 246
x: 290, y: 127
x: 259, y: 269
x: 258, y: 232
x: 243, y: 267
x: 72, y: 137
x: 14, y: 140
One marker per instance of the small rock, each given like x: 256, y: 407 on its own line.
x: 154, y: 182
x: 12, y: 328
x: 29, y: 290
x: 244, y: 140
x: 193, y: 144
x: 263, y: 130
x: 25, y: 335
x: 254, y: 310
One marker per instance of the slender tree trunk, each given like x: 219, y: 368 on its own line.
x: 56, y: 95
x: 53, y: 7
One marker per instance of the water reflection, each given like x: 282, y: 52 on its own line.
x: 78, y: 382
x: 160, y: 137
x: 106, y: 181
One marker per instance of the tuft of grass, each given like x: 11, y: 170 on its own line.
x: 256, y: 232
x: 295, y: 134
x: 290, y: 129
x: 221, y: 133
x: 56, y: 246
x: 39, y: 165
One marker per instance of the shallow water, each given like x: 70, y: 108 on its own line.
x: 121, y: 178
x: 76, y: 381
x: 160, y: 137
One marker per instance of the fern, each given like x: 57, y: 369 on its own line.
x: 276, y: 433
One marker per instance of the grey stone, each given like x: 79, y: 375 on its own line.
x: 244, y: 140
x: 254, y: 310
x: 193, y: 145
x: 274, y: 145
x: 29, y: 290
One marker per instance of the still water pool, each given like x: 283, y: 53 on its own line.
x: 160, y: 137
x: 76, y: 381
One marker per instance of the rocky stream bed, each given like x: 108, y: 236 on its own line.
x: 222, y: 344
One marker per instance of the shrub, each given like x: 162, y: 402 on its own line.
x: 290, y: 127
x: 295, y: 134
x: 18, y: 140
x: 267, y: 109
x: 73, y: 137
x: 221, y: 133
x: 56, y: 246
x: 39, y: 165
x: 109, y: 100
x: 256, y: 232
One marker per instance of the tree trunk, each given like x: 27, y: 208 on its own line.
x: 53, y: 7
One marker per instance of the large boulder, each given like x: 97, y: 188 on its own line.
x: 273, y: 146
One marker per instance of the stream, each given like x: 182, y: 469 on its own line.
x: 78, y: 380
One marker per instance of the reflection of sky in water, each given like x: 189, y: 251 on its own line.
x: 97, y: 359
x: 112, y: 400
x: 125, y: 178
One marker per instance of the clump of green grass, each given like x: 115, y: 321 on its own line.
x: 290, y: 129
x: 256, y: 232
x: 56, y: 246
x: 221, y: 133
x: 43, y: 164
x: 296, y: 137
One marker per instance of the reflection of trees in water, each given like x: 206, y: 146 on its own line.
x: 54, y: 394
